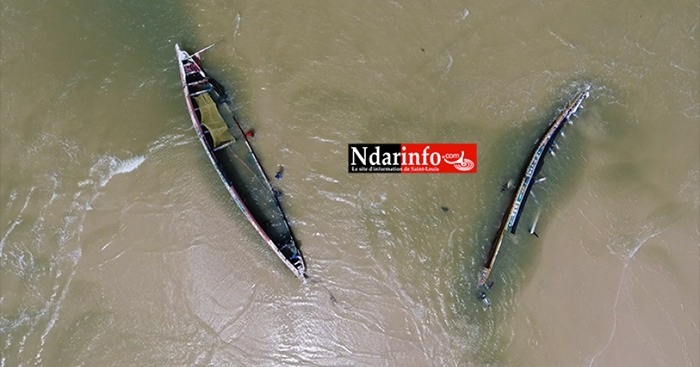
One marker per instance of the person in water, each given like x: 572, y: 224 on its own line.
x: 508, y: 185
x: 279, y: 173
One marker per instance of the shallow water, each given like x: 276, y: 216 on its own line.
x: 121, y: 247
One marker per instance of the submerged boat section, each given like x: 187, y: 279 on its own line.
x: 234, y: 160
x: 511, y: 217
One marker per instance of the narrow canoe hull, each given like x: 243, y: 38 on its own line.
x: 238, y: 167
x: 512, y: 215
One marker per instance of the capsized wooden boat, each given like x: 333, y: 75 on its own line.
x: 235, y: 161
x: 512, y: 215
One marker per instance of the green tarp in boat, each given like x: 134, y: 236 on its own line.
x: 212, y: 120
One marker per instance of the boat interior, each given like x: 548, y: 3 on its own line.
x: 236, y: 161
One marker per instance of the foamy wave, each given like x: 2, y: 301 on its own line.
x: 11, y: 199
x: 688, y: 189
x: 109, y: 166
x: 337, y: 198
x: 18, y: 220
x: 170, y: 140
x: 314, y: 177
x: 627, y: 247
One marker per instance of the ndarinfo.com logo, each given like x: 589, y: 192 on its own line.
x: 412, y: 158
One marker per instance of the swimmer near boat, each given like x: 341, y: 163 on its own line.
x: 534, y: 165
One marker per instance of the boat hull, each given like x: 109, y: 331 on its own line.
x: 238, y: 167
x: 512, y: 215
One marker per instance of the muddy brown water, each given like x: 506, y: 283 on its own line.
x: 120, y: 247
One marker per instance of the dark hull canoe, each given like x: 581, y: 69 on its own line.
x: 510, y: 219
x: 233, y: 158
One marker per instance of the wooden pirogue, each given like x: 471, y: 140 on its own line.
x: 235, y: 161
x: 512, y: 215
